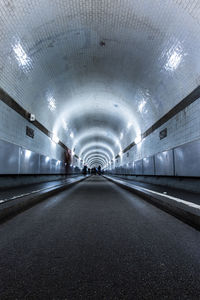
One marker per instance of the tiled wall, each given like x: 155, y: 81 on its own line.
x: 20, y: 154
x: 181, y: 129
x: 18, y: 160
x: 181, y: 161
x: 177, y: 154
x: 13, y: 129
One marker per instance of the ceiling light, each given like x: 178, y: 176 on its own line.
x: 141, y: 105
x: 51, y: 103
x: 174, y: 55
x: 21, y: 55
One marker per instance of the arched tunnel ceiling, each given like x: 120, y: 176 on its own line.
x: 99, y: 73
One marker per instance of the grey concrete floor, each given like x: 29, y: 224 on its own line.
x: 97, y: 241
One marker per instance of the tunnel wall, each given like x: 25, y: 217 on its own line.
x: 183, y: 160
x: 13, y: 130
x: 21, y: 154
x: 177, y: 168
x: 178, y: 154
x: 18, y: 160
x: 20, y: 166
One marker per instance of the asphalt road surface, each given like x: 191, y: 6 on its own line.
x: 98, y: 241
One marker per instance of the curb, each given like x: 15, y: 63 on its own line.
x: 11, y: 208
x: 188, y: 215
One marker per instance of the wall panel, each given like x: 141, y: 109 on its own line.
x: 148, y: 166
x: 138, y: 167
x: 9, y: 158
x: 164, y: 163
x: 187, y: 159
x: 29, y: 162
x: 17, y: 160
x: 45, y: 164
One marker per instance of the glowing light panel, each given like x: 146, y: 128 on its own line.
x: 141, y: 105
x: 21, y: 55
x: 175, y: 56
x: 51, y: 103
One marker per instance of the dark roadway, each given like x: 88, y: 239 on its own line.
x: 97, y: 241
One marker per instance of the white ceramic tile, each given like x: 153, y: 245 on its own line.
x: 52, y: 63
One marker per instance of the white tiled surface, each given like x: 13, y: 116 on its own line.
x: 181, y: 129
x: 13, y: 130
x: 52, y: 64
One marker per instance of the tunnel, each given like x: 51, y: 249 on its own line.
x: 99, y: 149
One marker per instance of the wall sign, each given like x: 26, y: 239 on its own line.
x: 29, y: 132
x: 163, y: 134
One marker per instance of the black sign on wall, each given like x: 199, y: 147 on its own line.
x: 163, y: 134
x: 29, y: 132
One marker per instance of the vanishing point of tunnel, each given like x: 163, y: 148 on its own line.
x: 99, y: 149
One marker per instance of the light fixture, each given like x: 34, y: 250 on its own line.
x: 51, y: 103
x: 174, y: 57
x: 141, y: 105
x: 55, y: 139
x: 120, y: 153
x: 31, y: 117
x: 71, y: 135
x: 21, y: 55
x: 138, y: 139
